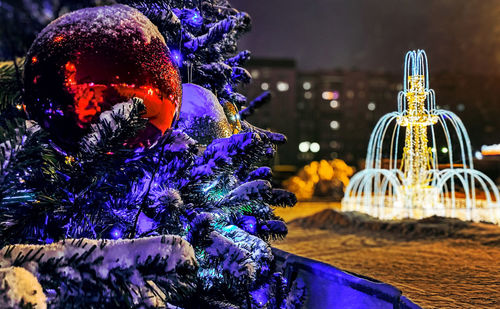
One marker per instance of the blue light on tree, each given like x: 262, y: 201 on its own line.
x: 116, y: 233
x: 177, y: 56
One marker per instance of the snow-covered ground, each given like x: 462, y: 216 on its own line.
x: 436, y: 262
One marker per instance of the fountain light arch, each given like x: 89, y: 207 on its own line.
x: 413, y: 185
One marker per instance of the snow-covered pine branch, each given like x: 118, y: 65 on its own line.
x: 149, y: 271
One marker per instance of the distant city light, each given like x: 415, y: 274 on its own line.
x: 334, y: 124
x: 490, y: 150
x: 264, y: 86
x: 334, y: 104
x: 314, y: 147
x: 304, y: 146
x: 308, y: 95
x: 478, y: 155
x: 330, y: 95
x: 255, y: 73
x: 372, y: 106
x: 282, y: 86
x: 327, y: 95
x: 444, y: 150
x: 306, y: 85
x: 334, y: 144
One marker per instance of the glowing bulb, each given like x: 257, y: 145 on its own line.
x: 444, y: 150
x: 177, y: 56
x: 371, y: 106
x: 116, y: 233
x: 306, y: 85
x: 478, y: 155
x: 264, y: 86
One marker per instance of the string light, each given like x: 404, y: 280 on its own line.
x: 177, y: 56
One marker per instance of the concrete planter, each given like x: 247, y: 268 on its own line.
x: 330, y: 287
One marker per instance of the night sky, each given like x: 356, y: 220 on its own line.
x: 458, y: 35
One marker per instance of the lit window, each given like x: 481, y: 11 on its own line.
x: 306, y: 85
x: 372, y: 106
x: 282, y: 86
x: 334, y: 104
x: 264, y: 86
x: 314, y: 147
x: 304, y: 146
x: 255, y: 73
x: 334, y: 144
x: 334, y: 124
x: 330, y: 95
x: 308, y: 95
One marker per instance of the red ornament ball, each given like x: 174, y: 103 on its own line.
x: 86, y: 61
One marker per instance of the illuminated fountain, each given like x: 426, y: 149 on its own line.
x: 410, y: 184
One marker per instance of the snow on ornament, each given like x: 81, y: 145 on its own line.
x: 201, y: 115
x: 85, y: 62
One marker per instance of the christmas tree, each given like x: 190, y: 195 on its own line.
x: 105, y: 203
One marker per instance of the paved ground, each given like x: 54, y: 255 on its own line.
x: 458, y: 272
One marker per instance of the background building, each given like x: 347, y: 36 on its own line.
x: 331, y: 114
